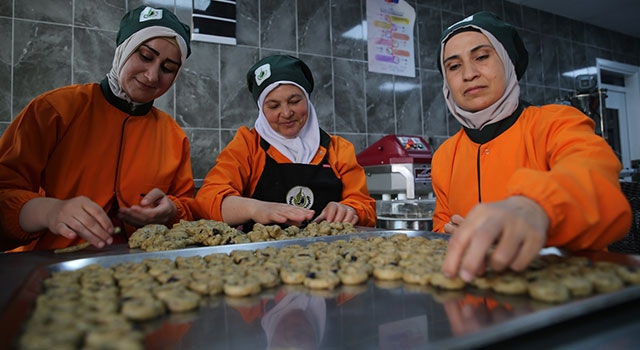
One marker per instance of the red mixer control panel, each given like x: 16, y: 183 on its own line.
x: 394, y: 149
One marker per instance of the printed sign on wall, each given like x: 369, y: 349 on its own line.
x: 390, y: 37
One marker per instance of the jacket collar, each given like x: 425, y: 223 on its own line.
x: 491, y: 131
x: 122, y: 104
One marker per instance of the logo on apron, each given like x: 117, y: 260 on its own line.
x: 300, y: 196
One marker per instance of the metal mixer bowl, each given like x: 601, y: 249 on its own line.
x: 410, y: 214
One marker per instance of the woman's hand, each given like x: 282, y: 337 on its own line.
x: 72, y: 218
x: 154, y: 208
x: 237, y: 210
x: 517, y: 226
x: 280, y: 213
x: 336, y: 212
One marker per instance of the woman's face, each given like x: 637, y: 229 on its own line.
x: 473, y: 70
x: 286, y: 110
x: 150, y: 70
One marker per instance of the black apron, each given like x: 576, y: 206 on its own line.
x: 303, y: 185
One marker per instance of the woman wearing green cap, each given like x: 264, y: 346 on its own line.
x: 83, y: 161
x: 516, y: 177
x: 285, y: 170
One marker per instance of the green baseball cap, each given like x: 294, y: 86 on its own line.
x: 506, y: 34
x: 146, y: 16
x: 276, y: 68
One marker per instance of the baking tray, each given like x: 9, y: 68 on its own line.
x: 375, y: 315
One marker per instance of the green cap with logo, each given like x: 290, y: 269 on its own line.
x: 146, y: 16
x: 276, y: 68
x: 506, y: 34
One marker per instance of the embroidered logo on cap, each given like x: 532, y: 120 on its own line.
x: 263, y: 73
x: 300, y: 196
x: 149, y: 13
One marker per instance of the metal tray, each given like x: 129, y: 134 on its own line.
x: 373, y: 315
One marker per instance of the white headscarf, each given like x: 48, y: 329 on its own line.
x: 299, y: 149
x: 499, y: 110
x: 129, y: 45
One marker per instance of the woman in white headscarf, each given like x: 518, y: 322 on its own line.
x: 84, y: 161
x: 516, y: 177
x: 286, y: 170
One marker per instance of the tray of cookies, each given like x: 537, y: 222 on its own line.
x: 385, y: 286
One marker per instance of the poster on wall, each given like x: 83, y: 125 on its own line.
x: 390, y: 37
x: 214, y: 21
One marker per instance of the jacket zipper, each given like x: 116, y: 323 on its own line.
x: 478, y: 172
x: 117, y: 178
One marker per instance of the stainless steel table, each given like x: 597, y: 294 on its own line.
x: 372, y: 316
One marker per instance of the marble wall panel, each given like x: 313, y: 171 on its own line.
x: 471, y: 6
x: 6, y: 55
x: 236, y: 104
x: 563, y: 28
x: 433, y: 104
x: 428, y: 37
x: 565, y: 64
x: 205, y: 147
x: 533, y: 93
x: 550, y: 58
x: 247, y: 23
x: 577, y: 31
x: 624, y: 46
x: 431, y: 3
x: 380, y: 103
x: 592, y: 53
x: 92, y: 54
x: 530, y: 19
x: 494, y: 6
x: 547, y: 24
x: 132, y: 4
x: 408, y: 105
x: 534, y: 74
x: 322, y: 94
x: 314, y: 30
x: 579, y: 55
x: 6, y: 8
x: 42, y: 59
x: 278, y: 24
x: 197, y: 88
x: 55, y: 11
x: 206, y: 144
x: 452, y: 5
x: 349, y: 102
x: 347, y: 34
x: 513, y: 14
x: 597, y: 37
x: 105, y: 14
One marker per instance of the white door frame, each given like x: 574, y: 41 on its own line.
x: 632, y: 92
x: 616, y: 99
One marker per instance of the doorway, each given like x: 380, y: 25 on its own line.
x: 622, y: 85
